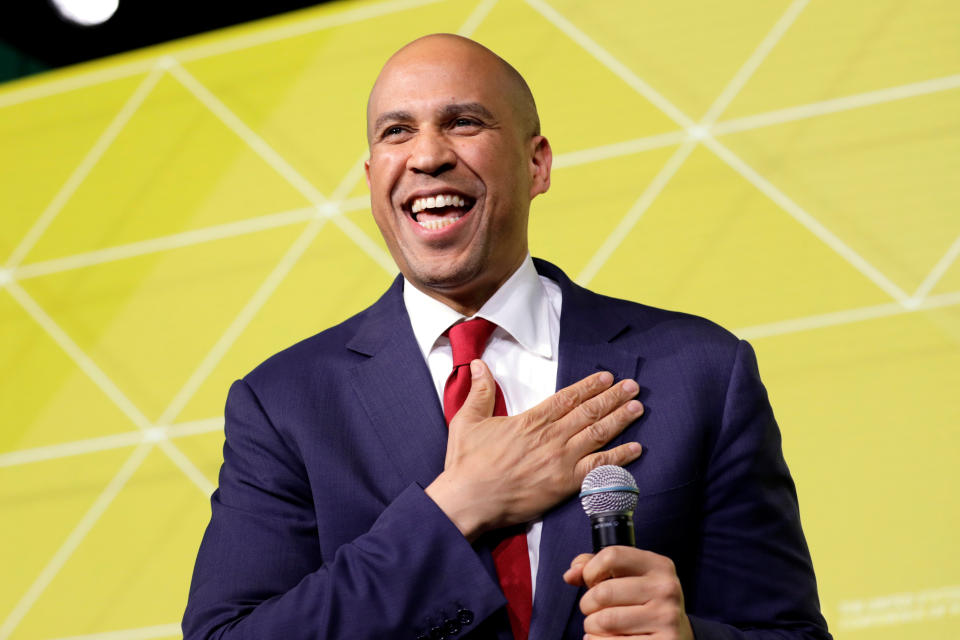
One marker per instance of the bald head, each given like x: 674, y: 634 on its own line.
x: 469, y: 59
x: 455, y: 160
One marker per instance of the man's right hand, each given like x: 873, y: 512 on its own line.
x: 501, y: 471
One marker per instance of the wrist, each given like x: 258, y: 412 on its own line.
x: 459, y: 505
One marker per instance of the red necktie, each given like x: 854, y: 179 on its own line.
x: 468, y: 340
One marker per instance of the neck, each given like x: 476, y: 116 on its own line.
x: 467, y: 299
x: 466, y: 303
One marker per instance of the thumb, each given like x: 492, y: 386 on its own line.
x: 574, y: 575
x: 482, y: 396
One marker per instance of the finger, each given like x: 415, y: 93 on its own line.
x: 621, y: 562
x: 621, y: 456
x: 569, y: 398
x: 574, y: 575
x: 659, y: 618
x: 593, y: 436
x: 619, y: 622
x: 617, y: 592
x: 600, y: 418
x: 482, y: 395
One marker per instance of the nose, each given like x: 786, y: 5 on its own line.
x: 431, y: 153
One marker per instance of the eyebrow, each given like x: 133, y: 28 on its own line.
x: 447, y: 111
x: 391, y: 116
x: 475, y: 108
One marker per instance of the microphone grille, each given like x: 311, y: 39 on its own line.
x: 608, y: 488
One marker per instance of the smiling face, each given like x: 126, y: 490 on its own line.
x: 455, y: 158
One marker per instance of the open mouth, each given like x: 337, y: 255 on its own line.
x: 439, y: 210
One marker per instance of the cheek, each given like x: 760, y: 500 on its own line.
x: 382, y: 172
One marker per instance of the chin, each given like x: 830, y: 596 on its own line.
x: 446, y: 276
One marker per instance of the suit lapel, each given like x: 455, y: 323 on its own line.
x: 589, y: 333
x: 394, y: 387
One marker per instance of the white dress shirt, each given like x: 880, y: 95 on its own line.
x: 521, y: 353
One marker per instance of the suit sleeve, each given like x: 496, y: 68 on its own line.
x: 260, y: 575
x: 754, y: 577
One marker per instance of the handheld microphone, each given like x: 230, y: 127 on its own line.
x: 609, y: 496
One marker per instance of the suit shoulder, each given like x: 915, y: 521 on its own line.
x: 649, y: 325
x: 669, y: 325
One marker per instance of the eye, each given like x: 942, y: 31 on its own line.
x: 465, y: 122
x: 394, y: 132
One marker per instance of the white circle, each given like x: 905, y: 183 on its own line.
x: 154, y: 434
x: 328, y: 209
x: 87, y: 12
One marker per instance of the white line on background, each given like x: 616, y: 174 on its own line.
x: 813, y: 225
x: 245, y: 133
x: 633, y: 215
x: 938, y: 271
x: 618, y: 149
x: 760, y: 54
x: 186, y: 239
x: 846, y: 316
x: 107, y: 443
x: 764, y: 185
x: 836, y: 105
x: 80, y: 531
x: 86, y: 165
x: 660, y: 181
x: 99, y: 378
x: 476, y: 17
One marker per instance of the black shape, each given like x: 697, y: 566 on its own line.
x: 610, y: 529
x: 35, y: 27
x: 451, y: 627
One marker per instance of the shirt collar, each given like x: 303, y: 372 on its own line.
x: 520, y: 307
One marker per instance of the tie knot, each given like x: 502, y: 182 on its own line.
x: 469, y: 339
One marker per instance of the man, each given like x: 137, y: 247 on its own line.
x: 346, y: 509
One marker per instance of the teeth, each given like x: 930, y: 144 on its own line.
x: 436, y: 202
x: 438, y: 224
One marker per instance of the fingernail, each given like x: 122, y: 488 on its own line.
x: 635, y: 407
x: 606, y: 377
x: 475, y: 369
x: 630, y: 386
x: 635, y: 447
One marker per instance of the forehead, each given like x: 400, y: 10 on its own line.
x: 426, y: 84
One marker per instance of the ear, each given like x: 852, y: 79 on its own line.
x: 366, y: 171
x: 541, y: 159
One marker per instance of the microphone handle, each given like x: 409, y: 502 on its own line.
x: 612, y: 528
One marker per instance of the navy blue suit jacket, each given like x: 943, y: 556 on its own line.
x: 321, y: 528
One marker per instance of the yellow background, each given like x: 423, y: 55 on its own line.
x: 172, y: 216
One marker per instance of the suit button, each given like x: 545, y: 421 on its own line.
x: 465, y: 616
x: 451, y: 627
x: 436, y: 633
